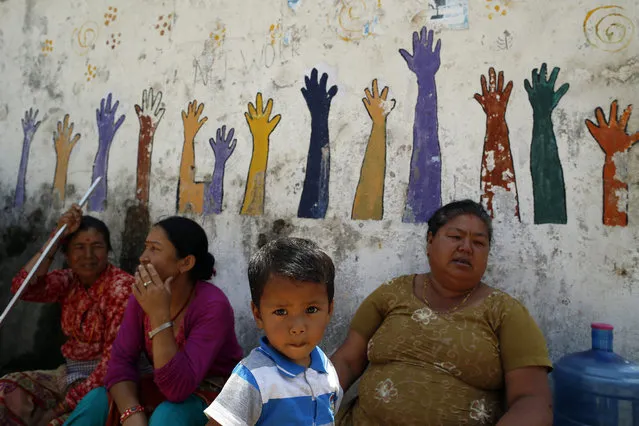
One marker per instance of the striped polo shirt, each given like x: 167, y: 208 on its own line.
x: 267, y: 388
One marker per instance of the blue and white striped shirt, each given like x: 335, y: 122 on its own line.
x: 266, y: 389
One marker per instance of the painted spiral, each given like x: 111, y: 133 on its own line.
x: 608, y: 28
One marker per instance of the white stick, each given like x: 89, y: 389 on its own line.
x: 46, y: 250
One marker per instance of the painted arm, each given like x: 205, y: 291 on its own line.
x: 369, y: 196
x: 549, y: 191
x: 614, y: 140
x: 190, y: 192
x: 63, y: 143
x: 223, y: 146
x: 149, y: 115
x: 424, y: 183
x: 29, y: 128
x: 261, y: 128
x: 497, y: 169
x: 314, y: 201
x: 107, y: 127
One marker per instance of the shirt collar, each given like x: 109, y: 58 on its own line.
x: 287, y: 367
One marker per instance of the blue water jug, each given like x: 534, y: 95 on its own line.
x: 596, y: 387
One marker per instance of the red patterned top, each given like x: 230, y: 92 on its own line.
x: 91, y: 316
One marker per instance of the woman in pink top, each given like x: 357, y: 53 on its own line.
x: 183, y: 325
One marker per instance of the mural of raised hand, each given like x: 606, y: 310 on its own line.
x: 107, y: 128
x: 424, y: 184
x: 497, y: 169
x: 64, y: 141
x: 614, y: 140
x: 314, y: 201
x: 223, y: 146
x: 369, y: 196
x: 149, y: 113
x: 29, y: 129
x: 137, y: 221
x: 549, y: 190
x: 261, y: 125
x: 190, y: 192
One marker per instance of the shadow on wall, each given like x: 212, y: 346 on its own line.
x: 31, y: 336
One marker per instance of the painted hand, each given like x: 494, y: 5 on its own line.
x: 62, y: 139
x: 425, y: 60
x: 377, y: 105
x: 317, y: 97
x: 494, y: 97
x: 29, y: 124
x: 258, y: 119
x: 191, y: 120
x: 223, y: 145
x: 541, y: 92
x: 152, y: 109
x: 153, y: 294
x: 105, y: 117
x: 612, y: 136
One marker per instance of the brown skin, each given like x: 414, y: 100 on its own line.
x: 169, y: 289
x: 87, y: 252
x: 458, y: 255
x: 293, y: 315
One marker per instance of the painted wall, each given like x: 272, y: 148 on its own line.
x: 331, y: 120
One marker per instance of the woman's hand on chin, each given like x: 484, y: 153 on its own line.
x: 153, y: 294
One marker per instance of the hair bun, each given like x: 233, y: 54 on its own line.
x: 205, y: 266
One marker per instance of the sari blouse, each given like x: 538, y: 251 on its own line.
x: 90, y: 316
x: 436, y: 368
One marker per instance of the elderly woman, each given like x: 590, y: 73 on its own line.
x: 182, y: 324
x: 444, y: 348
x: 93, y: 295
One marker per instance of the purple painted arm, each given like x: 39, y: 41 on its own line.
x: 29, y: 128
x: 107, y: 127
x: 424, y: 184
x: 223, y: 146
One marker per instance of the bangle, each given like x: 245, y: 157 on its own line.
x: 156, y: 330
x: 131, y: 411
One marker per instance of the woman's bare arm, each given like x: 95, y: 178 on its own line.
x: 351, y: 359
x: 529, y: 398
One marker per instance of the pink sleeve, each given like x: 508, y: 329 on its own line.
x: 209, y: 328
x: 48, y: 289
x: 117, y: 303
x: 127, y: 347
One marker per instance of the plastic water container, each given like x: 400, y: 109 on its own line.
x: 596, y: 387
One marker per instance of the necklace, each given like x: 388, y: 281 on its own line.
x: 454, y: 308
x: 185, y: 303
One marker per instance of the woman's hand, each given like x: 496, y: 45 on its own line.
x: 138, y: 419
x: 71, y: 218
x: 153, y: 295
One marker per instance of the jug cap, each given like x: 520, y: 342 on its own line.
x: 601, y: 326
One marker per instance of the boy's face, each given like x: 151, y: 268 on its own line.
x: 293, y: 315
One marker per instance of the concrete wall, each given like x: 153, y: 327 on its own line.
x: 565, y: 231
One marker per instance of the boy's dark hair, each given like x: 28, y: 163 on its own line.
x: 296, y: 258
x: 459, y: 208
x: 86, y: 223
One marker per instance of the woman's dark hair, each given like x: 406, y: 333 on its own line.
x: 189, y: 238
x: 86, y: 223
x: 458, y: 208
x: 295, y: 258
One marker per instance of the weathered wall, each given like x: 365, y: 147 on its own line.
x: 563, y: 242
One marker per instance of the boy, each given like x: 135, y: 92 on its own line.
x: 288, y: 380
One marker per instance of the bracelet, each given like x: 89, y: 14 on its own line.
x: 131, y: 411
x: 156, y: 330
